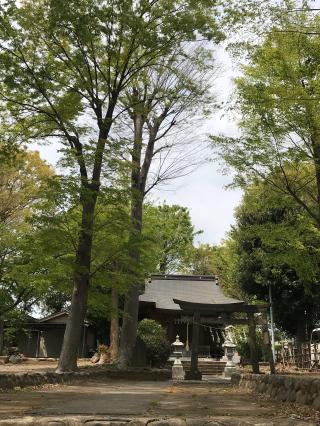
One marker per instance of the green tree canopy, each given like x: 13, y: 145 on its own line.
x: 67, y: 64
x: 277, y: 245
x: 23, y: 182
x: 172, y: 230
x: 278, y: 101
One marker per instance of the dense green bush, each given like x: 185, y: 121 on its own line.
x: 157, y: 345
x: 243, y: 349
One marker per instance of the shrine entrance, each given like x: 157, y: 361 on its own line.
x: 224, y: 315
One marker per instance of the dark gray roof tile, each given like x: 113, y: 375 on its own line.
x: 163, y: 289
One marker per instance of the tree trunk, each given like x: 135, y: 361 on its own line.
x: 316, y: 159
x: 1, y: 335
x: 131, y: 306
x: 139, y: 175
x: 114, y: 326
x: 72, y: 336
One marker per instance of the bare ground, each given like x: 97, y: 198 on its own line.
x: 36, y: 365
x: 196, y: 401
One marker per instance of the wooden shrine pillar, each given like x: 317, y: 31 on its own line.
x: 194, y: 373
x: 253, y: 343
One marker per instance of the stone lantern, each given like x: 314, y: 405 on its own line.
x: 230, y: 367
x: 177, y: 367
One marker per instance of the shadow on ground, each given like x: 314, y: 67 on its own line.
x: 199, y: 403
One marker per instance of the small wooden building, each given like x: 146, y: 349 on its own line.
x: 43, y: 337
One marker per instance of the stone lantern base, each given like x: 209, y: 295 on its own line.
x: 177, y: 370
x: 229, y: 370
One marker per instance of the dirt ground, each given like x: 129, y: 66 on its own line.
x: 205, y: 401
x: 34, y: 366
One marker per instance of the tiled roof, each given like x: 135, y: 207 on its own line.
x: 162, y: 289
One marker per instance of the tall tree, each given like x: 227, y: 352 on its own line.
x: 66, y: 65
x: 203, y: 260
x: 171, y: 229
x: 160, y: 104
x: 277, y: 246
x: 278, y: 99
x: 23, y: 179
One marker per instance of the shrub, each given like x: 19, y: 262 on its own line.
x: 157, y: 345
x: 244, y: 349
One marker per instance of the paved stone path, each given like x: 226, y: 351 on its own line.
x: 120, y: 403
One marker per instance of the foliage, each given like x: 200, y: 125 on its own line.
x: 277, y: 98
x: 204, y: 260
x: 171, y: 229
x: 68, y: 64
x: 277, y: 245
x: 157, y: 344
x: 57, y: 225
x: 22, y: 186
x: 244, y: 349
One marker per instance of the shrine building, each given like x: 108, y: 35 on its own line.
x: 159, y: 302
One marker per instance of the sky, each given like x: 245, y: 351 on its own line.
x: 204, y: 191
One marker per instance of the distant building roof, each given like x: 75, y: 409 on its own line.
x: 54, y: 316
x: 162, y: 289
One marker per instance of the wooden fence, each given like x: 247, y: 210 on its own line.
x: 306, y: 356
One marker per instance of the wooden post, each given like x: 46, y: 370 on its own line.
x: 253, y: 343
x: 194, y: 373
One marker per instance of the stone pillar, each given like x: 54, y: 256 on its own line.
x: 253, y: 343
x: 194, y: 373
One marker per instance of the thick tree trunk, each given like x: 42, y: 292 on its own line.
x: 131, y: 306
x: 317, y: 173
x: 72, y: 336
x: 114, y: 326
x: 139, y: 175
x: 1, y: 335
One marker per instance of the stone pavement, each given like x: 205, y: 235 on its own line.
x: 120, y: 403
